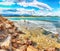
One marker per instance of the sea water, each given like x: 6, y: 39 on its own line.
x: 55, y: 20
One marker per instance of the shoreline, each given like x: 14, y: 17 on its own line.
x: 45, y: 25
x: 28, y: 16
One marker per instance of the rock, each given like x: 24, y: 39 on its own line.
x: 31, y: 48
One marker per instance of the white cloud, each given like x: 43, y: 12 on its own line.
x: 35, y: 4
x: 25, y: 10
x: 6, y: 3
x: 1, y: 9
x: 22, y: 11
x: 14, y: 0
x: 57, y: 13
x: 19, y: 11
x: 40, y: 5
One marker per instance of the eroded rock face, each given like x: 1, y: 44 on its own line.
x: 3, y: 31
x: 8, y: 33
x: 7, y: 27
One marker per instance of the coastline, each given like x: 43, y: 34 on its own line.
x: 53, y: 20
x: 45, y: 25
x: 35, y: 18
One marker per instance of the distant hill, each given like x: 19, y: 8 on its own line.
x: 25, y: 15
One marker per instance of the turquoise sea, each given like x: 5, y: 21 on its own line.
x: 55, y: 20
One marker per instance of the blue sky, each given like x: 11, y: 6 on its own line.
x: 30, y: 7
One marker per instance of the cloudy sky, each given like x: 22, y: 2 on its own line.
x: 30, y: 7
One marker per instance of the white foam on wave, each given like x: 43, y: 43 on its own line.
x: 49, y: 26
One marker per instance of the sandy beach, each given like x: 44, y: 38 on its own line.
x: 49, y: 26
